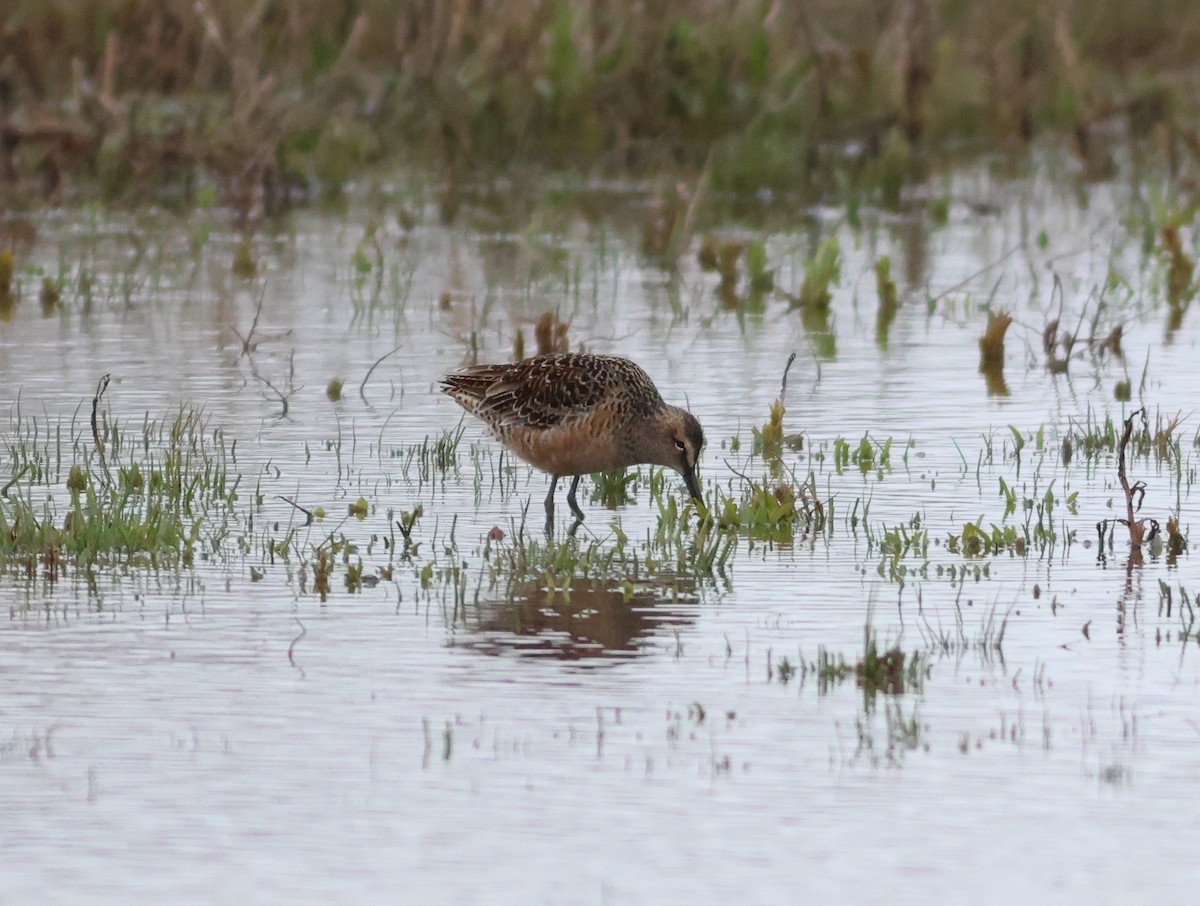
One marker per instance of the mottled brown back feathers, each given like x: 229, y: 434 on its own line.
x: 550, y: 391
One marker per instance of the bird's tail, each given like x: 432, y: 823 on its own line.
x: 469, y: 386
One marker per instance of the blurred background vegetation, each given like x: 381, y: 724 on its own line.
x: 269, y: 102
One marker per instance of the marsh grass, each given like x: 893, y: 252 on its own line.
x: 987, y: 639
x: 616, y: 488
x: 556, y: 566
x: 735, y: 292
x: 821, y: 273
x: 432, y: 459
x: 269, y: 98
x: 155, y: 494
x: 765, y: 511
x: 768, y: 440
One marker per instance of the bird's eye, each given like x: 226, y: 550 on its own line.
x: 679, y: 445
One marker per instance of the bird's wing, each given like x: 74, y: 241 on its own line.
x: 542, y: 392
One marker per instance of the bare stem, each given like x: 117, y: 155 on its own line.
x: 1135, y: 526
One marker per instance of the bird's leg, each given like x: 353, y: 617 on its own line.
x: 571, y: 499
x: 550, y: 505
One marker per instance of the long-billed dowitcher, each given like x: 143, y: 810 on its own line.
x: 575, y: 414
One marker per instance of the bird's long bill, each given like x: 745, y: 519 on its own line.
x: 693, y: 485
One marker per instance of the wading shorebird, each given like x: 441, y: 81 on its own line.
x: 575, y: 414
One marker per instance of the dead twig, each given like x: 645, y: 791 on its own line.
x: 97, y: 434
x: 1143, y: 530
x: 292, y: 647
x: 1137, y: 530
x: 379, y: 361
x: 17, y: 477
x: 310, y: 516
x: 101, y: 386
x: 786, y: 369
x: 248, y: 344
x: 292, y: 390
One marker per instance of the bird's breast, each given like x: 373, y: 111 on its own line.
x: 579, y: 449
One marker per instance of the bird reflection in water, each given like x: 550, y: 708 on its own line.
x: 595, y: 620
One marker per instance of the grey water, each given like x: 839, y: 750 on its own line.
x: 221, y: 730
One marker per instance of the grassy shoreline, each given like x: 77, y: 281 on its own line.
x: 285, y: 99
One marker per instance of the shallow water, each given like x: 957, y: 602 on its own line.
x: 442, y: 737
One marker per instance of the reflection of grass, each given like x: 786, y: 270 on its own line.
x: 877, y: 671
x: 889, y: 301
x: 903, y: 733
x: 8, y: 300
x: 991, y: 352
